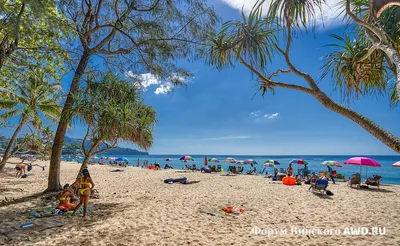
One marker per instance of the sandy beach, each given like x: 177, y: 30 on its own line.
x: 136, y: 208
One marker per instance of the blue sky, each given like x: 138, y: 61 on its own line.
x: 219, y: 112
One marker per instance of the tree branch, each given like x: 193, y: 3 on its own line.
x: 375, y: 30
x: 113, y: 146
x: 278, y: 72
x: 84, y: 141
x: 268, y: 83
x: 149, y: 9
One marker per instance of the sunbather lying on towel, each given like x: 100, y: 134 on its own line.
x: 65, y: 197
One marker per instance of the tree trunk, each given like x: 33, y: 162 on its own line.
x: 7, y: 155
x: 54, y: 173
x: 384, y: 136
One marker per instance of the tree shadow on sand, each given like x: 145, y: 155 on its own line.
x: 373, y: 190
x: 100, y: 213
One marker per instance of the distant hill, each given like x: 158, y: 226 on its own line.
x: 116, y: 151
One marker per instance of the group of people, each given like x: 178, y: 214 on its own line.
x: 305, y: 173
x: 22, y: 167
x: 83, y: 185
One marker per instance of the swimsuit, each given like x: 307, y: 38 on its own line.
x: 82, y: 190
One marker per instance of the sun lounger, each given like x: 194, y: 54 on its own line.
x: 240, y: 170
x: 354, y: 180
x: 262, y: 171
x: 232, y: 169
x: 374, y: 181
x: 320, y: 185
x: 219, y: 168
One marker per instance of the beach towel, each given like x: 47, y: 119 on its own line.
x: 49, y: 212
x: 225, y: 211
x: 171, y: 180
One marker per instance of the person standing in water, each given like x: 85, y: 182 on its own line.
x: 138, y: 163
x: 85, y: 184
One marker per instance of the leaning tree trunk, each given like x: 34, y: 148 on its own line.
x: 54, y: 173
x: 374, y: 129
x: 7, y: 155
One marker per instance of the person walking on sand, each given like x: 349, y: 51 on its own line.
x: 84, y: 182
x: 330, y: 174
x: 290, y: 170
x: 20, y: 168
x: 138, y: 163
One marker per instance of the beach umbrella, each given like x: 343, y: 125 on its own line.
x: 362, y: 161
x: 111, y: 158
x: 186, y: 158
x: 268, y: 164
x: 230, y: 159
x: 213, y: 160
x: 168, y: 159
x: 298, y: 162
x: 331, y: 164
x: 397, y: 164
x: 122, y: 159
x: 272, y: 162
x: 205, y: 161
x: 240, y: 162
x: 250, y: 161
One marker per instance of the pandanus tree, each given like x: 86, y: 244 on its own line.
x: 362, y: 64
x: 113, y: 111
x: 253, y: 42
x: 138, y: 36
x: 26, y: 102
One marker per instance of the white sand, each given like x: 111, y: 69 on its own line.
x: 137, y: 208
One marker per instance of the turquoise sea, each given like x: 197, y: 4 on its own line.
x: 390, y: 175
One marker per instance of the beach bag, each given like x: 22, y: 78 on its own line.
x: 329, y: 193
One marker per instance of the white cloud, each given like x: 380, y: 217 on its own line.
x: 164, y: 88
x: 329, y: 16
x: 145, y: 80
x: 255, y: 114
x: 271, y: 116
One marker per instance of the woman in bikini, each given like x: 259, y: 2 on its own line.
x: 84, y: 181
x: 65, y: 197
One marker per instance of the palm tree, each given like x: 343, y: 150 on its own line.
x: 113, y: 110
x: 254, y: 37
x: 27, y: 100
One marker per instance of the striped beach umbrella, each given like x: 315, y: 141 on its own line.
x: 213, y: 160
x: 331, y: 164
x: 230, y: 160
x: 186, y: 158
x: 250, y: 161
x: 298, y: 161
x: 272, y: 162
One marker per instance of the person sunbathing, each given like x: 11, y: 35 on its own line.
x: 313, y: 179
x: 65, y: 197
x: 84, y: 182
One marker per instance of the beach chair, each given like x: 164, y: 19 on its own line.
x: 282, y: 170
x: 219, y: 168
x: 354, y: 180
x: 212, y: 168
x: 262, y: 172
x: 194, y: 168
x: 240, y: 170
x: 374, y: 181
x: 320, y: 185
